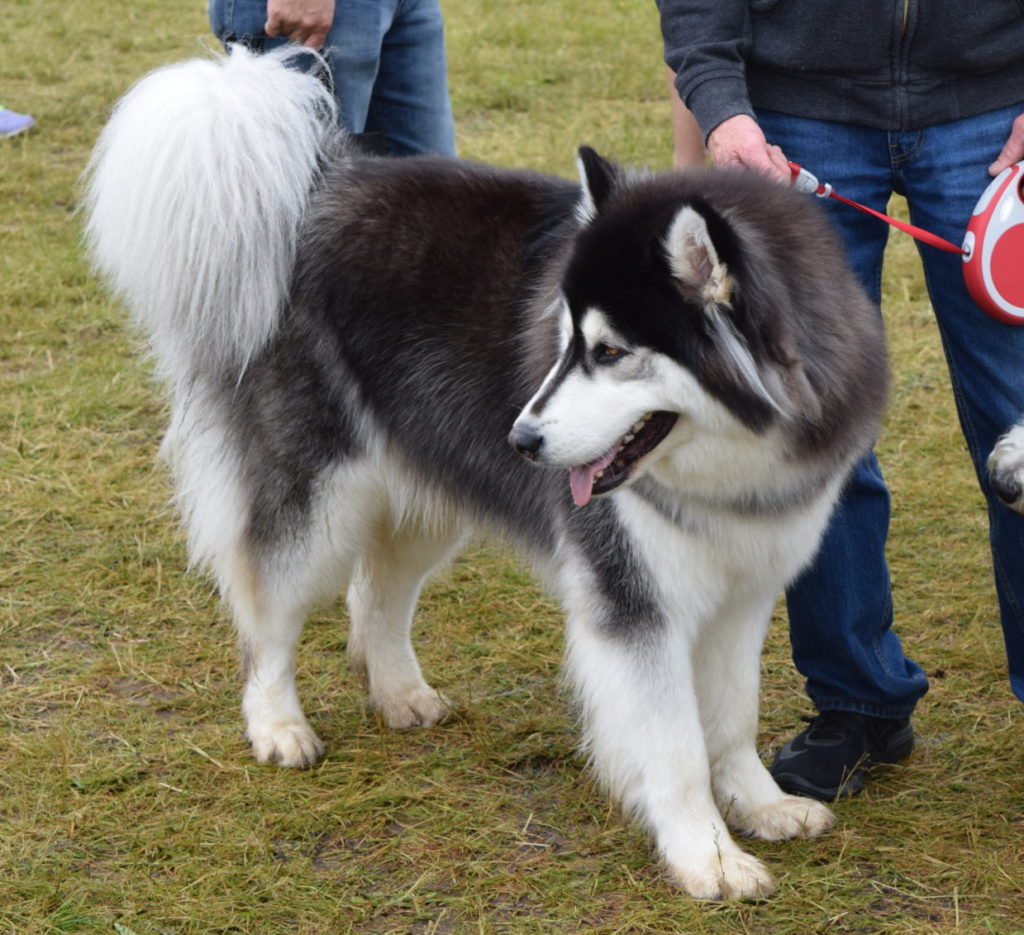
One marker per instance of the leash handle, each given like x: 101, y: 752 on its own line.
x: 803, y: 181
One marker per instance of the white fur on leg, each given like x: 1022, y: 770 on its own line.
x: 753, y: 804
x: 268, y: 632
x: 787, y: 817
x: 382, y: 601
x: 1006, y: 468
x: 728, y: 686
x: 647, y: 745
x: 731, y: 874
x: 275, y: 724
x: 276, y: 727
x: 270, y: 603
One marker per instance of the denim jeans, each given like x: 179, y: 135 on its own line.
x: 840, y: 609
x: 387, y: 60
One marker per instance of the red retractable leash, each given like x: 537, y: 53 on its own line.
x: 993, y: 246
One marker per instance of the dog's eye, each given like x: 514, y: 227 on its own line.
x: 609, y: 353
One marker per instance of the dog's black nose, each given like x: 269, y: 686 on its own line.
x: 527, y: 441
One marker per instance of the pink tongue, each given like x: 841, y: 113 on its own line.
x: 581, y: 479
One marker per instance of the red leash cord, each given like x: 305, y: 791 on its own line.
x: 993, y: 245
x: 803, y: 181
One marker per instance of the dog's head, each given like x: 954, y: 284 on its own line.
x: 659, y: 342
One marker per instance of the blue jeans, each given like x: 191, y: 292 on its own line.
x: 840, y: 610
x: 387, y: 60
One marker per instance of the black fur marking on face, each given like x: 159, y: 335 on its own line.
x: 574, y: 359
x: 620, y: 266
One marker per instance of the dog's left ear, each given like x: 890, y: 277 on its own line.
x: 694, y: 261
x: 597, y: 177
x: 779, y: 380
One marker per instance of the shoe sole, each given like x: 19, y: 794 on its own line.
x: 897, y: 747
x: 798, y: 785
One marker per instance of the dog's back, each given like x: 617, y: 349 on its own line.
x: 425, y: 278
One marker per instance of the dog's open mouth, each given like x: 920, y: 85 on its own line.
x: 617, y: 464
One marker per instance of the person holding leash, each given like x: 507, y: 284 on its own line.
x: 386, y: 59
x: 876, y: 97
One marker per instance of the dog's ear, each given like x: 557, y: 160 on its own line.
x: 702, y: 277
x: 694, y: 261
x: 597, y: 177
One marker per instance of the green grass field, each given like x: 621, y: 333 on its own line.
x: 128, y: 800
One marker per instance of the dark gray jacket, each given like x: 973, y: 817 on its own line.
x: 892, y: 64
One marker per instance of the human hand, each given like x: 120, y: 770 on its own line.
x: 738, y: 143
x: 304, y: 21
x: 1013, y: 151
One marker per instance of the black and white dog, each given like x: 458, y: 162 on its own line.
x: 351, y: 344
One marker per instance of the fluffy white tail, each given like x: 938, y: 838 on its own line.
x: 195, y: 193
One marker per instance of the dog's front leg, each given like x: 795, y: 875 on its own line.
x: 642, y: 729
x: 728, y: 683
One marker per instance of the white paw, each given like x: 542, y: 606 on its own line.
x: 1006, y: 469
x: 790, y: 817
x: 422, y: 707
x: 732, y: 875
x: 288, y: 743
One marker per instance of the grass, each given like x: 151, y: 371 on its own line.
x: 128, y: 801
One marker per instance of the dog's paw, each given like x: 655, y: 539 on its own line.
x: 732, y: 875
x: 422, y: 707
x: 287, y: 743
x: 1006, y: 469
x: 790, y: 817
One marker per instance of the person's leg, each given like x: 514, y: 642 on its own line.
x: 242, y: 21
x: 944, y: 172
x: 353, y: 54
x: 840, y: 609
x: 352, y: 49
x: 410, y: 103
x: 687, y: 140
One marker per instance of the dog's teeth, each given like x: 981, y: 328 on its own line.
x: 628, y: 438
x: 638, y: 426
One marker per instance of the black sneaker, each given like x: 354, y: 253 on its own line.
x: 827, y: 760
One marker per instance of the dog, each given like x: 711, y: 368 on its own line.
x: 653, y: 384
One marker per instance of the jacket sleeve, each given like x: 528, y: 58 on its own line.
x: 706, y: 44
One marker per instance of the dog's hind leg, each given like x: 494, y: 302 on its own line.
x: 728, y: 682
x: 269, y: 621
x: 382, y: 601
